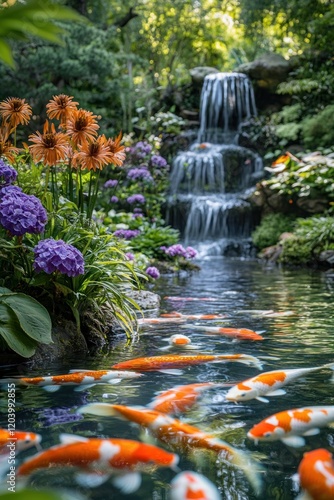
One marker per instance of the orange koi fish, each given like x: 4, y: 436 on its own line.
x: 180, y: 398
x: 82, y: 379
x: 177, y: 434
x: 269, y: 383
x: 316, y: 474
x: 179, y: 340
x: 167, y: 363
x: 99, y: 458
x: 176, y: 314
x: 189, y: 485
x: 289, y: 426
x: 23, y: 440
x: 237, y: 333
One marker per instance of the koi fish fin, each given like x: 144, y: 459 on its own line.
x: 90, y: 480
x: 274, y: 358
x: 71, y: 438
x: 243, y: 460
x: 83, y: 387
x: 172, y: 371
x: 127, y: 483
x: 263, y: 400
x: 114, y: 381
x: 303, y: 496
x: 51, y: 388
x: 101, y: 409
x: 278, y: 392
x: 312, y: 432
x: 294, y: 441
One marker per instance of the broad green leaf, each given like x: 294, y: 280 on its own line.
x: 6, y: 53
x: 12, y: 333
x: 33, y: 318
x: 5, y: 291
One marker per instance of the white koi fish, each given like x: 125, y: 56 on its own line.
x: 289, y: 426
x: 269, y: 383
x: 189, y: 485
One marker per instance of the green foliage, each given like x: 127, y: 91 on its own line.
x: 150, y: 241
x: 270, y: 229
x: 319, y: 129
x: 24, y: 322
x: 311, y: 237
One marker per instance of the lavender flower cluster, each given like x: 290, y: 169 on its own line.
x: 179, y: 250
x: 56, y: 255
x: 136, y: 198
x: 21, y: 213
x: 141, y: 149
x: 158, y: 161
x: 141, y: 173
x: 127, y: 234
x: 153, y: 272
x: 110, y: 183
x: 8, y: 174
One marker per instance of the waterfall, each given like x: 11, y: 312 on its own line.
x: 209, y: 183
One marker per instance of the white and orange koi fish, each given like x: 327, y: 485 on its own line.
x: 159, y: 321
x: 21, y: 439
x: 99, y: 458
x: 176, y: 314
x: 168, y: 363
x: 179, y: 340
x: 191, y: 299
x: 237, y: 333
x: 269, y: 383
x: 82, y: 379
x: 177, y: 434
x: 316, y: 475
x: 268, y: 313
x: 289, y: 426
x: 180, y: 398
x: 189, y: 485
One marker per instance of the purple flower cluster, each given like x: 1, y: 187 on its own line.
x: 153, y: 272
x: 130, y: 256
x: 179, y: 250
x: 110, y: 183
x: 21, y: 213
x: 56, y: 255
x: 158, y: 161
x: 7, y: 174
x: 114, y: 199
x: 143, y: 148
x: 136, y: 198
x: 127, y: 234
x: 140, y: 174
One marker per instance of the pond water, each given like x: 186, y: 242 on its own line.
x: 238, y: 287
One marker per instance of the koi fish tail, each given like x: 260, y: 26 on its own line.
x: 243, y: 461
x: 101, y: 409
x: 246, y: 359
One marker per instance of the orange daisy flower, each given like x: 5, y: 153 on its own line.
x: 117, y: 150
x: 50, y: 147
x: 92, y: 155
x: 6, y: 148
x: 60, y: 107
x: 15, y: 111
x: 82, y: 126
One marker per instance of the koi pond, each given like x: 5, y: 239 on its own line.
x: 291, y: 309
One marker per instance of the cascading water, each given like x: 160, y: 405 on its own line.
x: 210, y: 182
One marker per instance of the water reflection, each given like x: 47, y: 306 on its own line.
x: 238, y: 288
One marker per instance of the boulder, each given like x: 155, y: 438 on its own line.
x: 267, y: 71
x: 199, y: 73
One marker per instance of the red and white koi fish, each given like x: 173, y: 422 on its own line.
x: 269, y: 383
x: 22, y: 440
x: 99, y: 458
x: 237, y: 333
x: 179, y: 340
x: 289, y: 426
x: 176, y: 314
x: 82, y: 379
x: 177, y: 434
x: 189, y: 299
x: 159, y: 321
x: 169, y: 362
x: 316, y: 475
x: 189, y: 485
x: 180, y: 398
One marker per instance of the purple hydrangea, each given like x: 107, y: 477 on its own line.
x: 191, y: 253
x: 179, y: 250
x: 143, y: 147
x: 140, y: 174
x: 130, y: 256
x: 21, y: 213
x: 127, y: 234
x: 56, y: 255
x: 7, y: 174
x: 137, y: 210
x: 9, y: 189
x: 153, y: 272
x: 114, y: 199
x: 136, y: 198
x: 158, y: 161
x: 110, y: 183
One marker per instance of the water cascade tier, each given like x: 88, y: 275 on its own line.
x: 210, y: 183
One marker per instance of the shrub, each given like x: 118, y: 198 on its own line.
x: 270, y: 229
x: 318, y: 130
